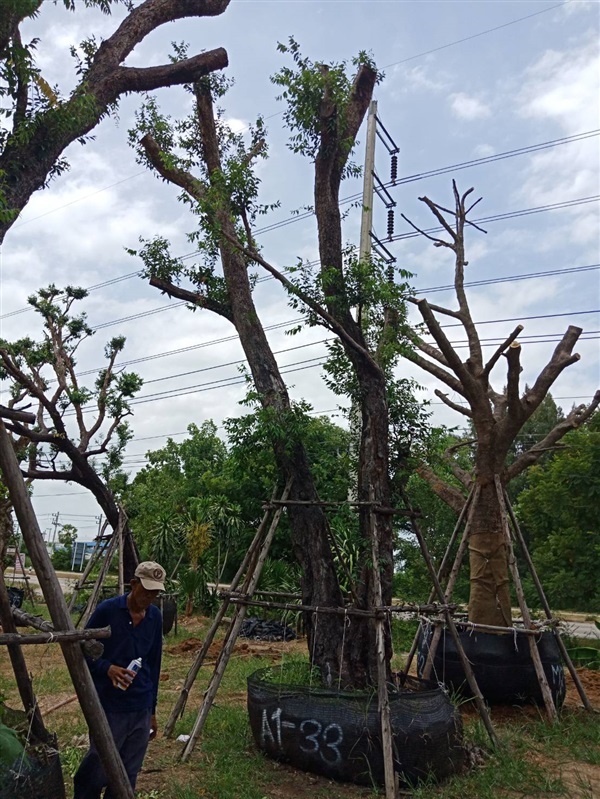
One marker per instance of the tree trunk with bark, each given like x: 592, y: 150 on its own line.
x: 338, y: 651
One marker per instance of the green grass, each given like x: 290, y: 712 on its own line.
x: 226, y: 765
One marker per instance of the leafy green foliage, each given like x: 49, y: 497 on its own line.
x: 10, y: 746
x: 45, y: 372
x: 304, y: 88
x: 559, y: 514
x: 235, y: 187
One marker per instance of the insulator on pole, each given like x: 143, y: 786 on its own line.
x: 390, y: 273
x: 390, y: 223
x: 394, y: 168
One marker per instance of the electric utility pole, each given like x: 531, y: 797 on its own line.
x: 366, y: 224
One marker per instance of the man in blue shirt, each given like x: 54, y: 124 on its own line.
x: 129, y: 704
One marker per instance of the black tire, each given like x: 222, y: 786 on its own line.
x: 15, y: 596
x: 339, y: 735
x: 501, y: 664
x: 168, y: 607
x: 40, y: 777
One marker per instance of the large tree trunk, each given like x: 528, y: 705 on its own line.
x: 489, y: 599
x: 373, y: 486
x: 373, y: 469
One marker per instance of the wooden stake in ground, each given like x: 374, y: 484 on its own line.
x: 80, y: 675
x: 249, y: 558
x: 387, y: 734
x: 250, y: 584
x: 19, y: 665
x: 533, y: 647
x: 561, y: 644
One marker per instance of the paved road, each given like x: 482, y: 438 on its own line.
x: 581, y: 629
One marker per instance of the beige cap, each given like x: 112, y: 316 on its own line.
x: 151, y: 575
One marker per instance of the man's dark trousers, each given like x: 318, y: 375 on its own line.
x: 131, y: 731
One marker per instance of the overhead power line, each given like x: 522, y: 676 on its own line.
x: 474, y: 35
x: 168, y: 307
x: 279, y: 113
x: 352, y: 198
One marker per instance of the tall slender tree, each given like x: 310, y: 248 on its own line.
x: 326, y: 109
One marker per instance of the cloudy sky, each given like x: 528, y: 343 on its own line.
x: 464, y: 82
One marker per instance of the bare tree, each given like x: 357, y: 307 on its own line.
x: 44, y: 373
x: 495, y: 416
x: 42, y: 124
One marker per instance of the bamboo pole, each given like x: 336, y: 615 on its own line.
x: 489, y: 628
x: 250, y: 583
x: 179, y: 708
x: 383, y: 701
x: 120, y: 544
x: 29, y: 588
x: 92, y: 648
x: 533, y: 647
x: 561, y: 644
x: 80, y: 675
x: 376, y: 613
x: 452, y: 578
x: 453, y: 631
x: 93, y: 600
x: 60, y: 637
x: 19, y: 665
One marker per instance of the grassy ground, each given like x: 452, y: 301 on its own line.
x: 534, y: 759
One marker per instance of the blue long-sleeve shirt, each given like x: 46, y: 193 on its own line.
x: 124, y: 645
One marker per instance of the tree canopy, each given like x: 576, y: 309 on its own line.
x: 558, y: 511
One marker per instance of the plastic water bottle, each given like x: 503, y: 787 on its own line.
x: 134, y: 666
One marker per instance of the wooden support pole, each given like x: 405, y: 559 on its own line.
x: 28, y: 587
x: 61, y: 637
x: 383, y: 701
x: 485, y: 717
x: 250, y: 584
x: 460, y: 554
x: 121, y: 544
x: 375, y: 613
x: 80, y: 675
x: 93, y: 600
x: 533, y: 647
x: 536, y: 580
x: 95, y: 556
x: 19, y: 665
x: 91, y: 648
x: 179, y: 708
x: 489, y: 628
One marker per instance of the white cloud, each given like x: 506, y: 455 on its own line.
x: 564, y: 87
x: 470, y: 108
x: 418, y: 79
x: 236, y: 125
x: 484, y: 150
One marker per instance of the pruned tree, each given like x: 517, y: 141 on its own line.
x: 325, y: 109
x: 40, y: 123
x: 44, y: 374
x: 496, y: 416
